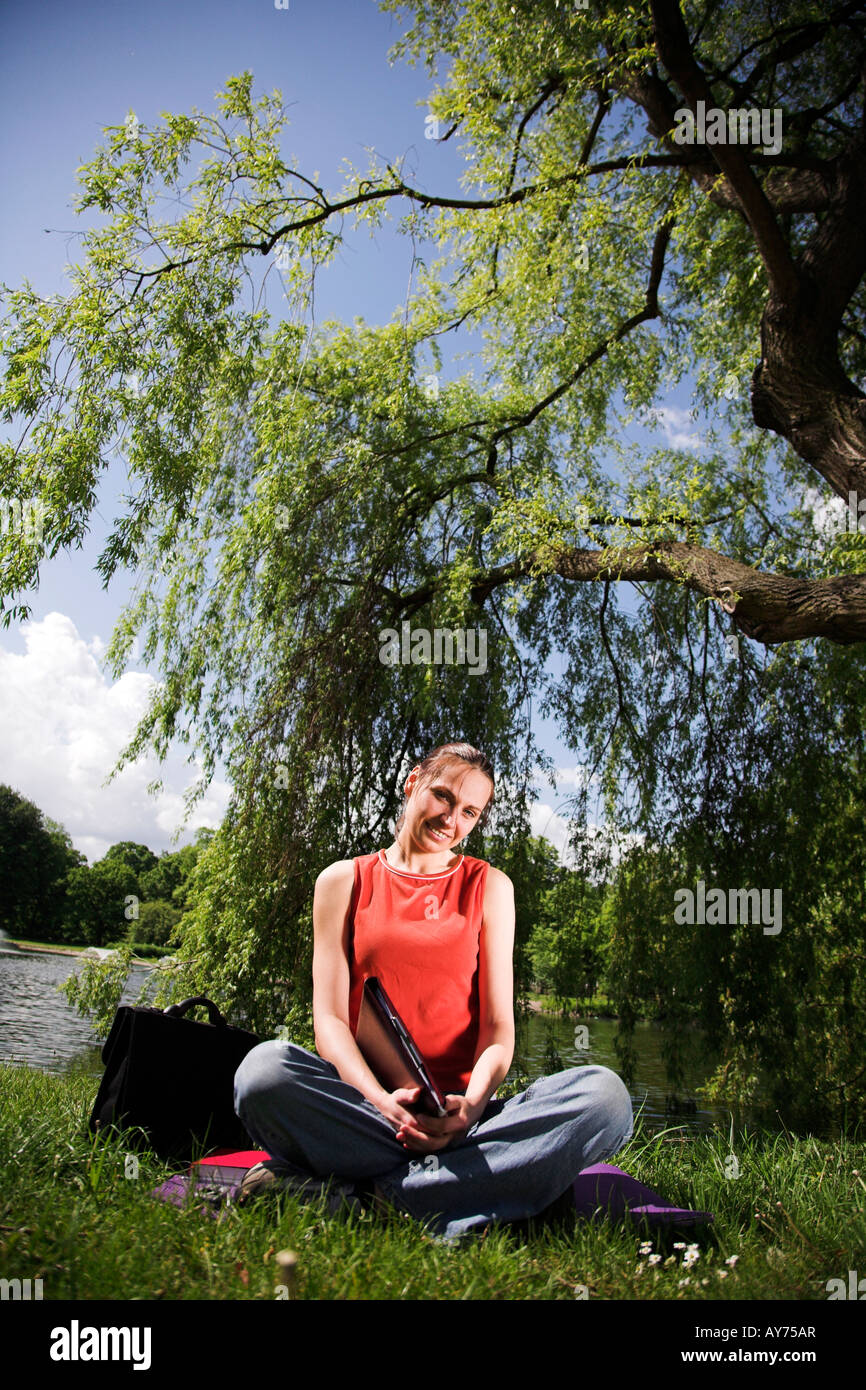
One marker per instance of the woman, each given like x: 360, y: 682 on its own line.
x: 437, y: 928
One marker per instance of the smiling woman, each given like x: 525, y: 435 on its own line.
x: 443, y: 773
x: 436, y: 927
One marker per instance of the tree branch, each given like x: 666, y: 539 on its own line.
x: 672, y: 44
x: 770, y: 608
x: 650, y: 310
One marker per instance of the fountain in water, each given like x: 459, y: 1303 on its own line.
x: 7, y: 947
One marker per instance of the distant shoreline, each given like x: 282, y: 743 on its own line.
x: 78, y: 951
x: 47, y: 950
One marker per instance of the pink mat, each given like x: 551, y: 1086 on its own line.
x: 600, y: 1191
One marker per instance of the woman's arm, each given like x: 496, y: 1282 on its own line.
x: 331, y: 982
x: 496, y: 991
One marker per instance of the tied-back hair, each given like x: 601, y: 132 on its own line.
x: 432, y: 764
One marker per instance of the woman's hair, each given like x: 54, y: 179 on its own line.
x: 430, y: 766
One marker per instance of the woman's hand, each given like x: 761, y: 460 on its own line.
x: 430, y: 1133
x: 394, y: 1106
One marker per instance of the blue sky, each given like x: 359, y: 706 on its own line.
x: 66, y: 72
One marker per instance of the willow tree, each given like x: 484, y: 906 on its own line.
x: 655, y: 195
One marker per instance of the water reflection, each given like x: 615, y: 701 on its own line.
x: 547, y: 1043
x: 38, y: 1028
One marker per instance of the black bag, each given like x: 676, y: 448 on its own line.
x: 173, y: 1078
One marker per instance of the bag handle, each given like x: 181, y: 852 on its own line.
x: 213, y: 1013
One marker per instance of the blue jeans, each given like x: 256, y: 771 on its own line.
x: 516, y: 1160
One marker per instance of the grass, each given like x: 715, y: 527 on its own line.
x: 70, y: 1216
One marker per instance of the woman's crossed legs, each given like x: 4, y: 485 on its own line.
x: 520, y: 1156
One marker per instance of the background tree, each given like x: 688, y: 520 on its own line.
x: 781, y: 1003
x: 533, y: 866
x: 137, y: 857
x: 101, y: 901
x: 293, y: 494
x: 36, y: 855
x: 155, y: 923
x: 168, y: 878
x: 568, y: 945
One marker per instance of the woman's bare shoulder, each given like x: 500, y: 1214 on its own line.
x: 498, y: 894
x: 497, y: 880
x: 337, y: 876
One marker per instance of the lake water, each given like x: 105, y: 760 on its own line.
x: 650, y: 1091
x: 38, y: 1028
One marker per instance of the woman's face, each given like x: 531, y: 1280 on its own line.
x: 440, y: 813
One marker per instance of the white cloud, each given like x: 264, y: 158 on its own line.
x: 544, y: 821
x: 579, y: 776
x: 549, y: 825
x: 677, y: 425
x: 63, y: 723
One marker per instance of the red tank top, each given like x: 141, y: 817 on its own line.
x: 419, y: 933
